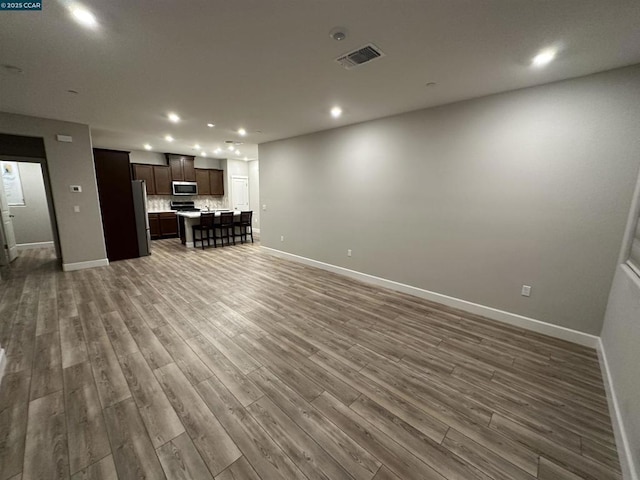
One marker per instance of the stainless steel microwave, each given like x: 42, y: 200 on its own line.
x: 184, y: 188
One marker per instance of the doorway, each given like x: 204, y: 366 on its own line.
x: 240, y: 192
x: 26, y: 208
x: 27, y: 202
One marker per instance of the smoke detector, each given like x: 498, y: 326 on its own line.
x: 360, y: 56
x: 338, y: 34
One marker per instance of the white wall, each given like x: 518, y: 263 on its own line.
x: 155, y: 158
x: 474, y: 199
x: 150, y: 158
x: 31, y: 222
x: 254, y: 191
x: 81, y: 234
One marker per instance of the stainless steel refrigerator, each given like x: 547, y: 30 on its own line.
x: 142, y: 218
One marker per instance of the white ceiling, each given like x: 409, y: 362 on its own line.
x: 268, y: 65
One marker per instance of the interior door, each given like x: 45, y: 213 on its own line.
x: 7, y: 236
x: 240, y: 193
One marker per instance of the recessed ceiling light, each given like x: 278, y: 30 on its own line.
x: 217, y: 150
x: 173, y: 117
x: 242, y: 132
x: 168, y: 138
x: 83, y: 16
x: 147, y: 146
x: 231, y: 147
x: 543, y: 58
x: 211, y: 125
x: 203, y: 154
x: 237, y: 152
x: 336, y: 112
x: 196, y: 146
x: 246, y: 158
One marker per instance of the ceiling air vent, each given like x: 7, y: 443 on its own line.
x: 358, y: 57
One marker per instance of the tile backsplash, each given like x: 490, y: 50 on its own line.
x: 157, y: 203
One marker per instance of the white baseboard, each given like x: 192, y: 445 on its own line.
x: 514, y: 319
x: 28, y: 246
x: 3, y: 363
x: 68, y: 267
x: 629, y: 471
x: 256, y: 230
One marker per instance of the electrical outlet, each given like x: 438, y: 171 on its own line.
x: 264, y: 207
x: 76, y: 208
x: 282, y: 238
x: 348, y: 252
x: 526, y: 290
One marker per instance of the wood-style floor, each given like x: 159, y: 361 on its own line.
x: 232, y: 364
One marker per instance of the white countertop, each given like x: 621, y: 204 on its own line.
x: 161, y: 211
x: 197, y: 214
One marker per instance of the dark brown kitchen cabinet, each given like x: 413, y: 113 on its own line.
x: 210, y: 182
x: 145, y: 172
x: 163, y: 225
x: 154, y: 225
x: 162, y: 179
x: 157, y: 178
x: 202, y: 178
x: 168, y: 224
x: 182, y: 167
x: 216, y: 182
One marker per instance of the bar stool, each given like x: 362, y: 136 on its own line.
x: 216, y: 228
x: 226, y: 228
x: 206, y: 226
x: 243, y: 224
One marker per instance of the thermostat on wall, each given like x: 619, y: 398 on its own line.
x: 75, y: 188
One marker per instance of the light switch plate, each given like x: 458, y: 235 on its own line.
x: 64, y: 138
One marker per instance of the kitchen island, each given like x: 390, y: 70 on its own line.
x: 186, y: 221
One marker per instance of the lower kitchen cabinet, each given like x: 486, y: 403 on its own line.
x: 154, y: 226
x: 163, y: 225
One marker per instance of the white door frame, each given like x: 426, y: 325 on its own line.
x: 246, y: 179
x: 7, y: 236
x: 48, y: 193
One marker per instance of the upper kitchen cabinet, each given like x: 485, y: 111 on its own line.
x: 210, y: 182
x: 182, y: 167
x: 156, y: 177
x: 216, y: 182
x: 202, y: 178
x: 145, y: 172
x: 162, y: 178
